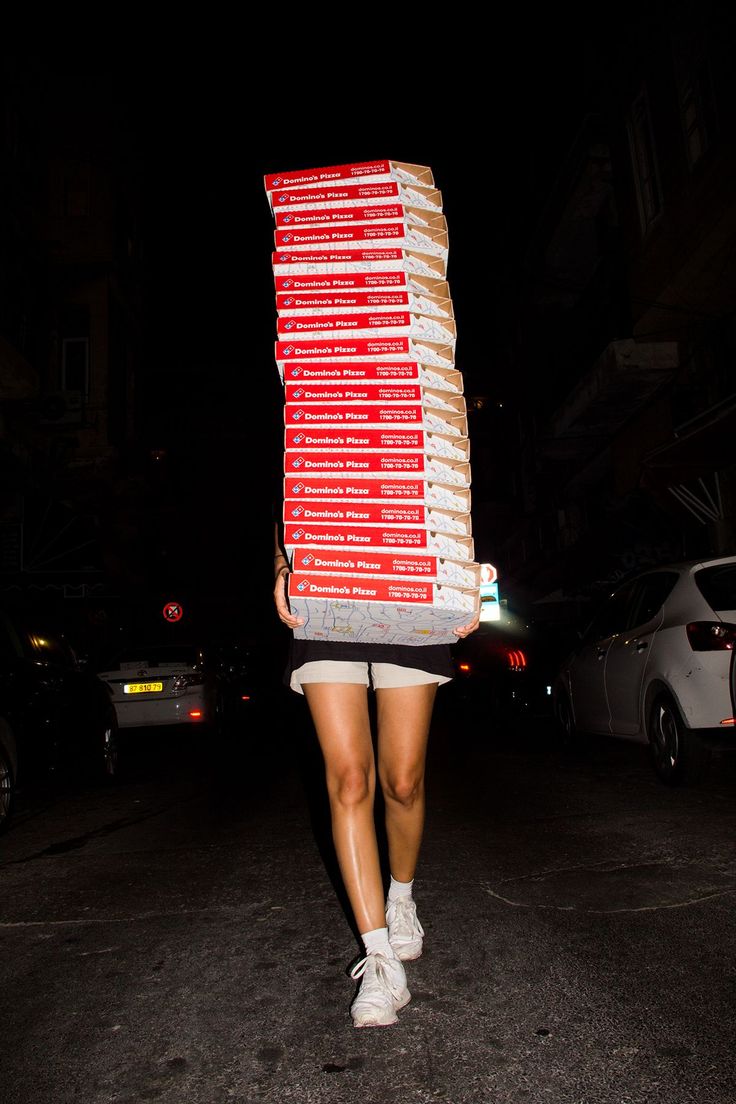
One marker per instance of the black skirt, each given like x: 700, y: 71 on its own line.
x: 435, y: 658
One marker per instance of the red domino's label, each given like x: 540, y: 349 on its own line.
x: 301, y: 177
x: 416, y: 591
x: 325, y: 281
x: 335, y: 301
x: 350, y: 513
x: 304, y: 414
x: 339, y: 235
x: 305, y: 462
x: 353, y: 392
x: 343, y: 347
x: 341, y: 438
x: 346, y: 256
x: 368, y: 563
x: 336, y: 193
x: 338, y: 216
x: 303, y: 488
x: 369, y: 536
x: 371, y: 370
x: 341, y: 323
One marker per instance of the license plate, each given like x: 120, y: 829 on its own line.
x: 142, y: 687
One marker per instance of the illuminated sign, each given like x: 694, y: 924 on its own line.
x: 490, y: 610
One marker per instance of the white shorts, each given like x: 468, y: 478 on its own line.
x: 381, y: 675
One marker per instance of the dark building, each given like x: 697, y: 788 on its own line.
x: 620, y: 319
x: 71, y: 336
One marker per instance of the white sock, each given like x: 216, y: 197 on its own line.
x: 376, y: 942
x: 399, y: 889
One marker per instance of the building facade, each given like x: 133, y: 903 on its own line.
x: 621, y: 319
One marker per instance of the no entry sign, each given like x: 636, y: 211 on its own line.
x: 173, y: 611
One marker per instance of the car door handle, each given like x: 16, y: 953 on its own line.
x: 600, y: 653
x: 640, y: 645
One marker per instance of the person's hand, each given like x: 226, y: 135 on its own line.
x: 465, y: 630
x: 282, y: 606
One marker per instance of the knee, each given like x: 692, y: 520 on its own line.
x: 404, y: 791
x: 352, y: 788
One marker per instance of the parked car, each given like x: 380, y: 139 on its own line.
x: 163, y: 684
x: 501, y: 677
x: 656, y: 665
x: 56, y: 718
x: 250, y: 681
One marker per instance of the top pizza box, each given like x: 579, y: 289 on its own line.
x: 358, y: 172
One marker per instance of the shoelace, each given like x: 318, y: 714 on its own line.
x: 382, y: 972
x: 406, y: 921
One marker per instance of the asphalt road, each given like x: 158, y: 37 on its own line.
x: 181, y: 937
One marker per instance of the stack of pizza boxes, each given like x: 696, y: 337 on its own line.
x: 376, y: 507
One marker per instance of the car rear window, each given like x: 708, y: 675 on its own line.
x: 162, y: 654
x: 717, y: 584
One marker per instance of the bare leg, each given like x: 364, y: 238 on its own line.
x: 340, y: 715
x: 404, y: 717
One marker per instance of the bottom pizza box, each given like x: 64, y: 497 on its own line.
x: 379, y: 611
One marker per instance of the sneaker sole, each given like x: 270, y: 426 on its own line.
x: 407, y: 954
x: 385, y: 1023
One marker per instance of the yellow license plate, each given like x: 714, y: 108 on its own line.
x: 142, y: 687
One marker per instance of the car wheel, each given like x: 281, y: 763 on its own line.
x: 7, y: 788
x: 105, y: 764
x: 565, y: 721
x: 678, y: 755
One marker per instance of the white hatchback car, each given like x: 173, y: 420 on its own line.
x: 657, y: 665
x: 166, y: 684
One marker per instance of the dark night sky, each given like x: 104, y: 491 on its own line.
x: 491, y: 118
x: 491, y: 109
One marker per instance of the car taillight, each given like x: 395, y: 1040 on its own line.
x: 195, y: 714
x: 194, y: 678
x: 517, y: 659
x: 464, y: 668
x: 711, y: 636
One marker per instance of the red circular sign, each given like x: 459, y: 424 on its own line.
x: 173, y: 611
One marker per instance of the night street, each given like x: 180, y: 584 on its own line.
x: 179, y: 938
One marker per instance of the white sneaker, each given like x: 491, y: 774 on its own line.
x: 382, y: 991
x: 404, y: 930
